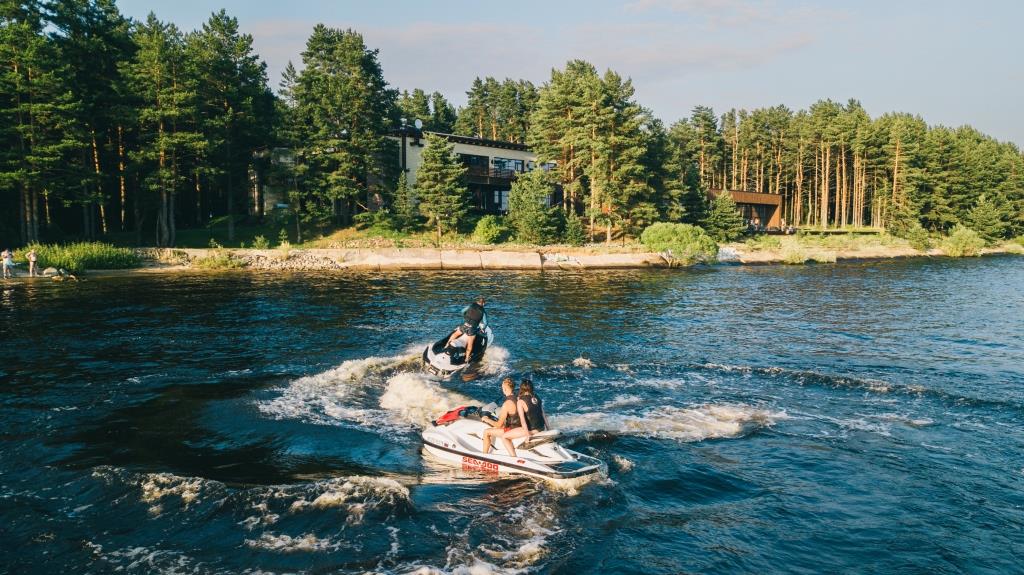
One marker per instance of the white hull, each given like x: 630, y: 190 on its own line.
x: 460, y: 443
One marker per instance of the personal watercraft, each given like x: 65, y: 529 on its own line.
x: 443, y: 360
x: 457, y: 438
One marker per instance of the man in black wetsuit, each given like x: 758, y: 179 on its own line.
x: 474, y: 321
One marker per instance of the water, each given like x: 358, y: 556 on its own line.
x: 849, y: 418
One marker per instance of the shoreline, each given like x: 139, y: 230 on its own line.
x: 177, y: 260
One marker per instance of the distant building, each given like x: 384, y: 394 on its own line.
x: 766, y: 208
x: 491, y: 165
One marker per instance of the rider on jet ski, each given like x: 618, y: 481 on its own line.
x: 474, y: 320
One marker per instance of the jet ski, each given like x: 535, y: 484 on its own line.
x: 443, y: 360
x: 457, y: 438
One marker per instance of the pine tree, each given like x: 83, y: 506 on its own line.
x: 345, y: 110
x: 986, y: 219
x: 232, y: 95
x: 39, y: 134
x: 723, y: 221
x: 415, y: 106
x: 166, y: 104
x: 442, y: 114
x: 405, y: 205
x: 439, y: 188
x: 529, y: 216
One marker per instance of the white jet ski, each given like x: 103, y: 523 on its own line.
x: 443, y: 360
x: 457, y: 438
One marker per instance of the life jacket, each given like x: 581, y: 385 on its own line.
x: 512, y: 419
x: 534, y: 413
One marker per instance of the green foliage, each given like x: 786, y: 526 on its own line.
x: 985, y: 219
x: 220, y: 259
x: 574, y: 234
x: 282, y: 236
x: 341, y: 109
x: 963, y: 242
x: 529, y: 217
x: 764, y: 242
x: 489, y: 230
x: 723, y: 221
x: 260, y: 243
x: 406, y: 214
x: 378, y: 223
x: 439, y: 186
x: 1019, y: 240
x: 682, y: 243
x: 918, y: 237
x: 78, y: 257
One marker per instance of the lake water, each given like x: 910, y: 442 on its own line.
x: 853, y: 418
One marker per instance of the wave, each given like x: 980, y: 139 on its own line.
x: 356, y: 495
x: 806, y: 377
x: 417, y: 400
x: 682, y: 424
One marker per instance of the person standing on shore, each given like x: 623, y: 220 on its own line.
x: 32, y: 257
x: 8, y: 257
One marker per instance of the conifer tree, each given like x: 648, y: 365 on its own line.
x: 345, y: 109
x: 442, y: 114
x: 405, y: 205
x: 723, y: 221
x: 166, y: 104
x: 985, y: 218
x: 439, y: 188
x: 529, y: 216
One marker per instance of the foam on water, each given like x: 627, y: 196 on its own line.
x: 417, y: 400
x: 583, y: 362
x: 683, y: 424
x: 287, y: 544
x: 337, y: 395
x: 356, y: 494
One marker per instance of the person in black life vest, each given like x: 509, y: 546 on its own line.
x: 474, y: 321
x: 508, y: 416
x: 531, y: 416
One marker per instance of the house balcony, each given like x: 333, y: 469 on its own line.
x: 489, y: 176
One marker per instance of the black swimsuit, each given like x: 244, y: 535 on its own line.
x: 534, y: 413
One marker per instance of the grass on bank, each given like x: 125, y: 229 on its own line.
x: 81, y: 256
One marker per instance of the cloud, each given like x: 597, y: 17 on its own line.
x: 721, y: 14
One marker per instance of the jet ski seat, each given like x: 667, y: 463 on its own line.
x: 536, y: 439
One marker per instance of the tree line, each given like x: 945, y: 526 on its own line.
x: 113, y: 125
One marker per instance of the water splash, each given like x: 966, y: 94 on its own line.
x: 683, y: 424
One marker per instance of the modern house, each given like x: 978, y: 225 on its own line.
x: 491, y: 165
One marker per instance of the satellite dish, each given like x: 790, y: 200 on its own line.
x: 418, y: 123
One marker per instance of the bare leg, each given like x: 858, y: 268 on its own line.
x: 511, y: 434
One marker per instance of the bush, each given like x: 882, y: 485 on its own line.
x: 489, y: 230
x: 80, y: 256
x: 963, y: 242
x: 918, y: 237
x: 1019, y: 240
x: 682, y: 243
x: 220, y: 260
x: 260, y: 243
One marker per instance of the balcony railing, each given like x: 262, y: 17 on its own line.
x: 488, y: 173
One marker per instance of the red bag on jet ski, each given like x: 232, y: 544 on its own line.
x: 450, y: 416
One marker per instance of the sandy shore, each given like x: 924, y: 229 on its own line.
x: 157, y: 261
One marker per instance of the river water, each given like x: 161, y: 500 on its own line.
x: 854, y: 418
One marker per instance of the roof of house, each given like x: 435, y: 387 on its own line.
x: 475, y: 141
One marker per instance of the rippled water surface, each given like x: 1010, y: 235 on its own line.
x: 856, y: 418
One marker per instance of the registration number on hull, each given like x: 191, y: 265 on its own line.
x: 477, y: 465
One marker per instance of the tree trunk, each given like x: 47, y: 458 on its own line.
x: 230, y: 191
x: 121, y: 177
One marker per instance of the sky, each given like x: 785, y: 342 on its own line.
x: 951, y: 62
